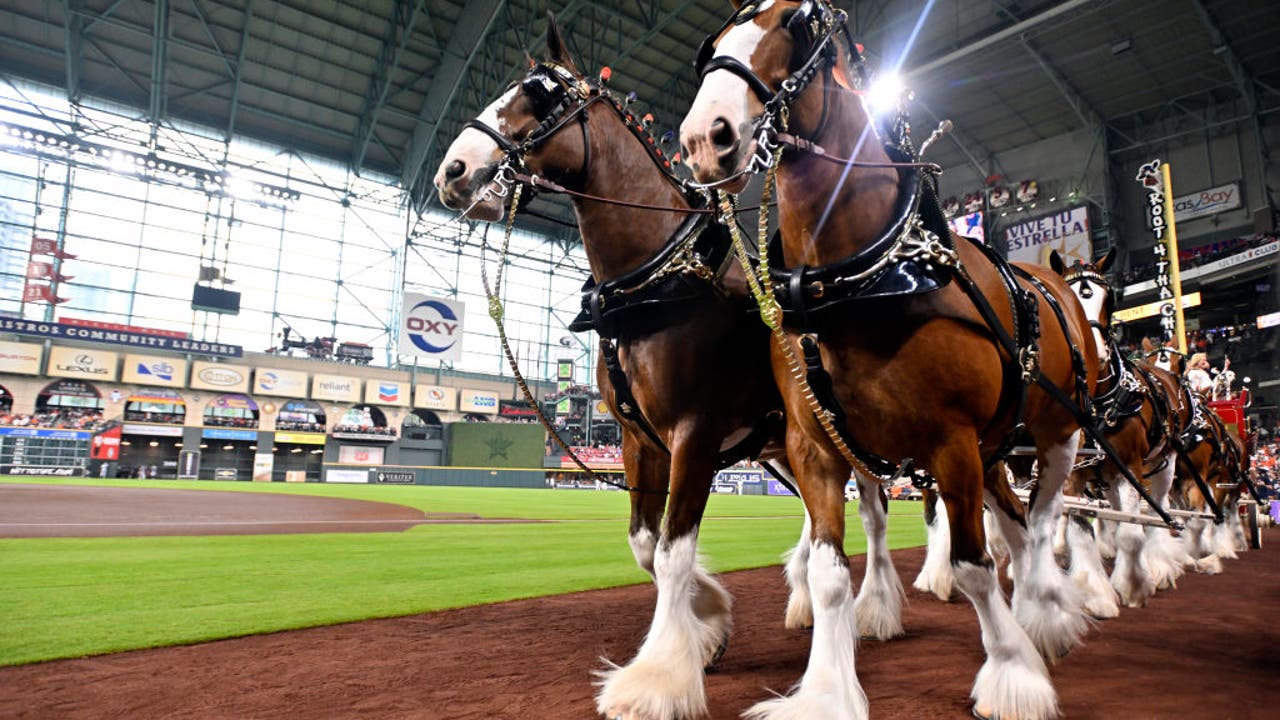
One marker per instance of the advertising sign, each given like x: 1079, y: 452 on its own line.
x: 282, y: 383
x: 153, y: 430
x: 346, y: 476
x: 387, y: 392
x: 300, y: 438
x: 431, y: 327
x: 20, y: 358
x: 189, y: 465
x: 435, y: 397
x: 478, y: 401
x: 564, y: 369
x: 117, y: 337
x: 106, y: 444
x: 153, y: 370
x: 80, y: 363
x: 1154, y: 177
x: 335, y: 387
x: 1159, y: 307
x: 1066, y: 231
x: 218, y: 376
x: 228, y: 434
x: 263, y: 464
x: 395, y: 477
x: 1207, y: 202
x: 360, y: 455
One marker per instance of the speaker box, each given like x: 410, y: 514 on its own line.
x: 215, y: 300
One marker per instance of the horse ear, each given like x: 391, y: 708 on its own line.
x: 1105, y: 263
x: 1055, y: 262
x: 557, y: 50
x: 1147, y: 345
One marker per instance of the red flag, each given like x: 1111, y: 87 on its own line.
x: 40, y: 293
x: 39, y: 270
x: 45, y: 246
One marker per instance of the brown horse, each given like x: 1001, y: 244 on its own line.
x: 1218, y: 457
x: 698, y: 369
x: 934, y: 375
x: 1142, y: 417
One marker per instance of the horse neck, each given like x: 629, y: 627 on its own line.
x: 863, y: 202
x: 618, y: 239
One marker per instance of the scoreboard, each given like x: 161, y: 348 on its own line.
x: 43, y: 451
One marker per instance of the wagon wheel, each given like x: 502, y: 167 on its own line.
x: 1255, y: 527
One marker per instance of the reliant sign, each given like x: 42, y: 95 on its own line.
x: 117, y: 337
x: 387, y: 392
x: 153, y: 370
x: 431, y: 327
x: 20, y: 358
x: 435, y: 397
x: 335, y: 387
x: 217, y: 376
x: 1066, y: 231
x: 82, y: 364
x: 281, y: 383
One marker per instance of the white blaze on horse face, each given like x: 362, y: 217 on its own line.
x: 1093, y: 310
x: 722, y: 95
x: 473, y: 148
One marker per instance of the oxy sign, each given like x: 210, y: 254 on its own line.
x: 431, y: 327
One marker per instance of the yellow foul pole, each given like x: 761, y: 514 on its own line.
x: 1175, y: 277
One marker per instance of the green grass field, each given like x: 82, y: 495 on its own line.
x: 69, y: 597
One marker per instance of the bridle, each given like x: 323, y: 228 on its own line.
x: 560, y: 97
x: 814, y: 27
x: 1083, y: 275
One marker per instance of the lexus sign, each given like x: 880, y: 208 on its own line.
x: 431, y: 327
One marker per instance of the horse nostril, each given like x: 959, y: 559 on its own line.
x: 723, y: 135
x: 454, y: 170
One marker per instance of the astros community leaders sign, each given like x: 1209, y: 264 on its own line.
x: 117, y: 337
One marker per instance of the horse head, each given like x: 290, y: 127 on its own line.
x: 523, y: 130
x: 760, y: 63
x: 1089, y: 283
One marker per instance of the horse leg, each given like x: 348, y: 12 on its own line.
x: 1229, y: 534
x: 799, y: 605
x: 1047, y: 604
x: 648, y: 471
x: 879, y: 603
x: 829, y: 688
x: 1086, y: 570
x: 1013, y: 682
x: 1165, y: 554
x: 691, y: 616
x: 1130, y: 576
x: 936, y: 575
x: 1006, y: 515
x: 1105, y: 533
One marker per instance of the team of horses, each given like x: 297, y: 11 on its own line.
x: 891, y: 349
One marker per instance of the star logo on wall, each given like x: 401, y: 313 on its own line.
x: 498, y: 447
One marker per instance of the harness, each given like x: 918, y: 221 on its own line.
x: 688, y: 268
x: 920, y: 260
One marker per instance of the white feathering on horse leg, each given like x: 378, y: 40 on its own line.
x: 829, y: 688
x: 936, y: 575
x: 1224, y: 542
x: 1105, y: 534
x: 1013, y: 682
x: 879, y: 603
x: 713, y: 606
x: 1166, y: 555
x: 665, y: 680
x: 799, y: 605
x: 1087, y: 572
x: 1047, y: 603
x: 1130, y: 576
x: 643, y: 542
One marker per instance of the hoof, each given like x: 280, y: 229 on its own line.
x: 981, y: 715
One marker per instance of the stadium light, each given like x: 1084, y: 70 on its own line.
x: 885, y: 93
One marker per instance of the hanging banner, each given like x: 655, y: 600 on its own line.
x: 1154, y: 176
x: 115, y: 337
x: 20, y: 358
x: 431, y: 327
x: 152, y: 370
x: 49, y: 246
x: 335, y: 387
x: 1066, y: 231
x: 40, y: 293
x: 1207, y: 202
x: 970, y: 226
x: 106, y: 444
x: 387, y: 392
x: 80, y: 363
x: 44, y: 271
x: 281, y: 383
x: 217, y: 376
x: 435, y: 397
